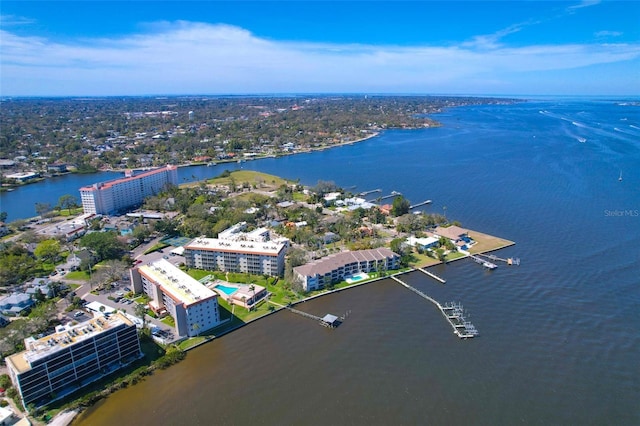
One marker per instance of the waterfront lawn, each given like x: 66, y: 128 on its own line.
x: 454, y: 255
x: 485, y: 243
x: 423, y: 261
x: 240, y: 176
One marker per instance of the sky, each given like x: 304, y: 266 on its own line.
x: 134, y: 48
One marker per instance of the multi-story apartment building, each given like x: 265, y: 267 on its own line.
x: 337, y: 267
x: 260, y: 258
x: 193, y: 306
x: 58, y: 364
x: 119, y: 194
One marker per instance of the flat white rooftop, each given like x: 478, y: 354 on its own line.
x: 176, y: 283
x: 39, y: 348
x: 270, y: 248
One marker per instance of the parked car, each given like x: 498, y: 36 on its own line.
x: 78, y: 314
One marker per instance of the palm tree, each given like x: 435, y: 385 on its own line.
x: 233, y: 305
x: 244, y: 300
x: 253, y: 300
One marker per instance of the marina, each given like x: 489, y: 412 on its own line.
x: 453, y: 312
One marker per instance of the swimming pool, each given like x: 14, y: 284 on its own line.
x: 357, y: 277
x: 225, y: 289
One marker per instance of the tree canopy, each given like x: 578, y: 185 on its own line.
x: 105, y: 244
x: 400, y: 206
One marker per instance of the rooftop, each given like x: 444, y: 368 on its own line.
x: 39, y: 348
x: 270, y: 248
x: 452, y: 232
x: 177, y: 284
x: 108, y: 184
x: 330, y: 263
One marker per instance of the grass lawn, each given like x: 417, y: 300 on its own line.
x: 169, y: 321
x: 423, y: 261
x: 299, y: 196
x: 156, y: 247
x: 486, y: 242
x: 240, y: 176
x: 456, y: 255
x: 77, y: 276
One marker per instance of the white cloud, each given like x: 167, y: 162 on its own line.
x: 186, y: 57
x: 608, y: 34
x: 584, y: 3
x: 13, y: 20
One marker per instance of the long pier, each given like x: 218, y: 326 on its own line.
x: 362, y: 194
x: 483, y: 262
x: 508, y: 261
x: 329, y: 320
x: 432, y: 275
x: 420, y: 204
x: 453, y: 313
x: 393, y: 194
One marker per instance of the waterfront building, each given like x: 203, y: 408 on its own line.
x: 193, y: 306
x: 57, y: 168
x: 453, y: 232
x: 425, y: 243
x: 23, y: 176
x: 250, y: 257
x: 120, y: 194
x: 74, y: 356
x: 339, y: 266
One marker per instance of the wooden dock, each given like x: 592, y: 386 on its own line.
x: 432, y: 275
x: 330, y: 321
x: 483, y: 262
x: 508, y: 261
x: 453, y: 313
x: 393, y: 194
x: 420, y: 204
x: 363, y: 193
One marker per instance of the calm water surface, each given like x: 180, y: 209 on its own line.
x: 559, y: 339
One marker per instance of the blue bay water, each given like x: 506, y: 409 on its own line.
x: 559, y: 339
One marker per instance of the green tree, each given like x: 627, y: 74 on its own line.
x: 67, y: 201
x: 105, y: 244
x: 43, y: 208
x: 48, y: 250
x: 141, y: 312
x: 400, y: 206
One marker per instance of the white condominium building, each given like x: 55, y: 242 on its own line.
x: 58, y: 364
x: 260, y: 258
x: 337, y: 267
x: 193, y: 306
x: 117, y: 195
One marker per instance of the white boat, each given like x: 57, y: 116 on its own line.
x: 620, y: 178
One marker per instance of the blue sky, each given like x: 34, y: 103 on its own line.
x: 94, y: 48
